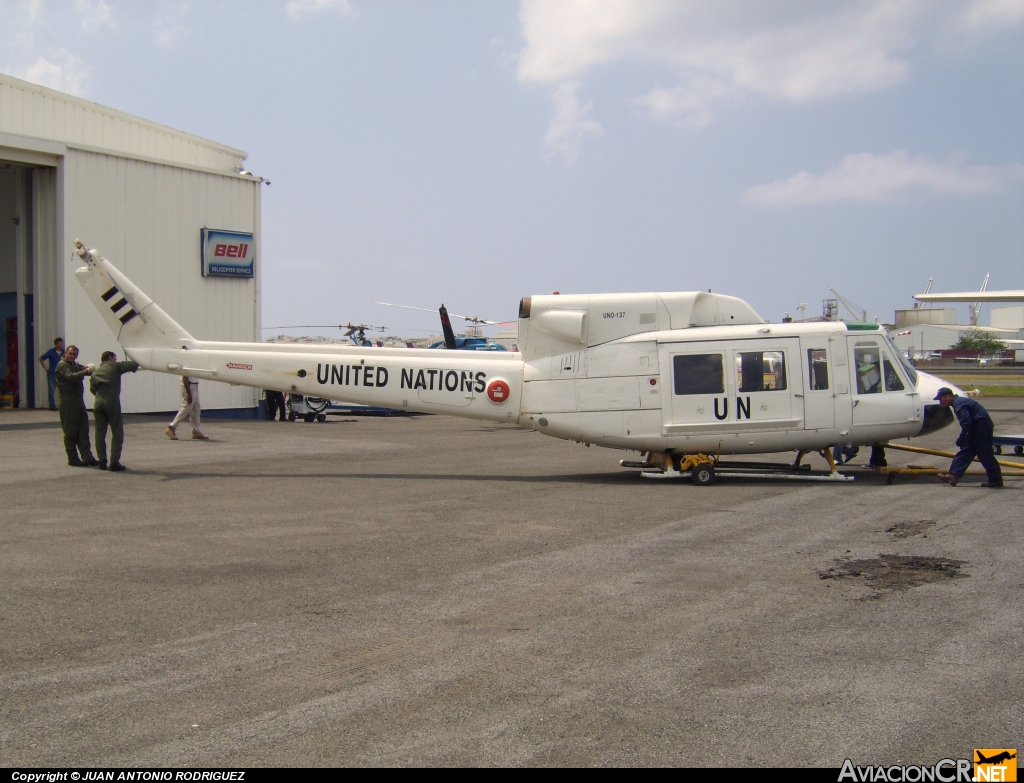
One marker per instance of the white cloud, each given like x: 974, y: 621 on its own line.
x: 165, y: 33
x: 564, y: 38
x: 692, y: 105
x: 66, y: 72
x: 297, y: 9
x: 723, y: 53
x: 982, y: 14
x: 95, y: 14
x: 570, y: 124
x: 167, y: 29
x: 880, y: 178
x: 35, y: 10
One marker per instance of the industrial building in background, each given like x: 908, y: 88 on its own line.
x: 179, y: 213
x: 924, y: 332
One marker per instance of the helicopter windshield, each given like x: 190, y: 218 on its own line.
x: 911, y: 370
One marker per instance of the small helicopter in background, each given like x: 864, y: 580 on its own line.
x: 472, y: 341
x: 357, y: 334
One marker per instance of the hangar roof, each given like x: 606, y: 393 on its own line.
x: 37, y: 112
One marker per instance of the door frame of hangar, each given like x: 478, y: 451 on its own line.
x: 39, y: 274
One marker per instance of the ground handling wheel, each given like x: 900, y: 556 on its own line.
x: 1018, y: 449
x: 703, y: 475
x: 321, y: 417
x: 997, y: 449
x: 291, y: 416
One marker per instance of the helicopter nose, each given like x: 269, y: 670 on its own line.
x: 935, y: 416
x: 928, y: 386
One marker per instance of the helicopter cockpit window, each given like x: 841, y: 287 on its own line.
x: 702, y: 373
x: 817, y: 368
x: 907, y: 366
x: 892, y: 378
x: 867, y: 358
x: 761, y: 371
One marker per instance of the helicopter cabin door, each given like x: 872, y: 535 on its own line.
x: 767, y: 376
x: 880, y: 395
x: 700, y: 387
x: 732, y: 385
x: 818, y: 393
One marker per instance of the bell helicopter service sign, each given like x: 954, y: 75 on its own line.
x: 227, y: 253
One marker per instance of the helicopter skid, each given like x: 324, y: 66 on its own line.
x: 719, y: 473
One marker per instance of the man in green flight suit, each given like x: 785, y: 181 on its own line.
x: 74, y: 419
x: 105, y: 384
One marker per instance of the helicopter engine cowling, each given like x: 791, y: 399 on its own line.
x: 552, y: 325
x: 580, y: 372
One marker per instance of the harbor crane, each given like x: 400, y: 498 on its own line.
x: 858, y: 312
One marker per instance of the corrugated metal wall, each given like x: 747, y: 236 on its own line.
x: 31, y: 110
x: 145, y: 218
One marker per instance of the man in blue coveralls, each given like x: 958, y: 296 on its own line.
x: 52, y: 356
x: 975, y: 439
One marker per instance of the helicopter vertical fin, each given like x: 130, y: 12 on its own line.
x: 136, y: 320
x: 446, y: 327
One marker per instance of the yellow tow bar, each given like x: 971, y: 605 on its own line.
x: 1016, y: 468
x: 950, y: 454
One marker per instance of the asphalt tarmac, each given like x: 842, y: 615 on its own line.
x: 432, y: 591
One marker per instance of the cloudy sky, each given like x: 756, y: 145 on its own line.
x: 473, y: 152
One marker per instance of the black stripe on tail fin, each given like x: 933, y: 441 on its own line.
x: 128, y: 316
x: 109, y: 294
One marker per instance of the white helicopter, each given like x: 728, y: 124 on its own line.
x: 676, y: 376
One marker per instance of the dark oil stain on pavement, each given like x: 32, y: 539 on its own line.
x: 887, y: 573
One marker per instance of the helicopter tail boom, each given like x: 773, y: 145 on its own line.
x: 459, y: 383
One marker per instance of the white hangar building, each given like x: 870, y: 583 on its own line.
x: 153, y: 200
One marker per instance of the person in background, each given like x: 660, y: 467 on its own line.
x: 51, y: 358
x: 844, y: 453
x: 74, y: 418
x: 190, y: 408
x: 975, y: 439
x: 877, y: 458
x: 275, y: 402
x: 105, y: 384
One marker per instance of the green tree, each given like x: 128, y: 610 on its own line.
x: 977, y: 340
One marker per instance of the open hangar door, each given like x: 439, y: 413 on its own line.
x: 30, y: 294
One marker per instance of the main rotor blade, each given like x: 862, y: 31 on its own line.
x: 407, y: 307
x: 475, y: 320
x: 471, y: 318
x: 308, y: 326
x: 329, y: 326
